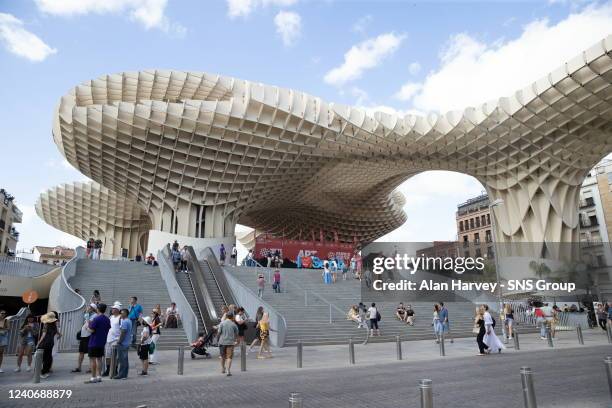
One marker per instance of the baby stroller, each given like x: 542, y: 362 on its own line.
x: 199, y: 346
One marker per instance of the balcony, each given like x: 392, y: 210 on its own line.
x: 589, y: 243
x: 588, y: 223
x: 587, y: 202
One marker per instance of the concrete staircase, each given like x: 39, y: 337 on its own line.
x: 305, y: 304
x: 119, y: 280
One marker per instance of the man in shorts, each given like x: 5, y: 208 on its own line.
x: 98, y: 327
x: 228, y: 331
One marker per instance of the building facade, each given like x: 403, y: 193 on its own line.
x: 474, y: 228
x: 9, y: 215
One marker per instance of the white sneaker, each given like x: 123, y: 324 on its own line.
x: 29, y: 369
x: 18, y: 369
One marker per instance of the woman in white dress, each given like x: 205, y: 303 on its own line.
x: 490, y: 339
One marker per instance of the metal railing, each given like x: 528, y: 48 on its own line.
x: 566, y: 321
x: 188, y: 317
x: 71, y: 305
x: 246, y: 298
x: 15, y: 323
x: 218, y: 275
x: 14, y: 266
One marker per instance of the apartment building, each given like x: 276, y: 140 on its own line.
x: 9, y: 215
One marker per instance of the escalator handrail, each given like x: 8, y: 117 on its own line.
x: 217, y: 272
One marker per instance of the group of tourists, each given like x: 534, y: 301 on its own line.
x: 93, y: 248
x: 180, y: 257
x: 331, y: 268
x: 365, y: 317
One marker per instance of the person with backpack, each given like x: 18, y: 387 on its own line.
x: 374, y: 316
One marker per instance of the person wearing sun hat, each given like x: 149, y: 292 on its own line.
x: 145, y: 344
x: 112, y: 336
x: 46, y: 342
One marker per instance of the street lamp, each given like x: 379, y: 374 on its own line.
x: 496, y: 203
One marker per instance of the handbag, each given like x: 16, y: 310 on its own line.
x: 78, y: 335
x: 475, y: 329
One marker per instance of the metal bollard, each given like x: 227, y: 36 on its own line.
x: 181, y: 360
x: 330, y: 313
x: 579, y: 334
x: 305, y: 298
x: 295, y: 400
x: 608, y: 362
x: 609, y: 332
x: 529, y: 397
x: 299, y: 354
x: 442, y: 351
x: 398, y: 347
x: 38, y: 355
x: 517, y: 346
x: 113, y: 361
x: 351, y: 352
x: 426, y: 388
x: 243, y: 354
x: 549, y: 337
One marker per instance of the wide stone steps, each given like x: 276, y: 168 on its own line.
x: 119, y: 281
x: 307, y: 315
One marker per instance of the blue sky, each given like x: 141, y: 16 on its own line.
x: 396, y: 56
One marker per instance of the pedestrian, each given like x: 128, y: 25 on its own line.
x: 410, y: 316
x: 234, y: 255
x: 227, y: 332
x: 222, y: 255
x: 97, y: 249
x: 602, y: 317
x: 264, y: 336
x: 175, y: 255
x: 172, y: 317
x: 490, y: 339
x: 269, y: 259
x: 99, y: 328
x: 327, y: 278
x: 609, y: 317
x: 479, y: 328
x: 175, y: 245
x: 374, y: 317
x: 4, y: 335
x: 261, y: 284
x: 344, y: 270
x: 184, y: 259
x: 333, y: 266
x: 95, y: 297
x: 46, y: 342
x: 277, y: 281
x: 509, y: 320
x: 112, y: 337
x: 445, y: 322
x: 155, y: 333
x: 145, y: 343
x: 83, y: 336
x: 27, y: 335
x: 123, y: 344
x: 258, y: 315
x: 135, y: 314
x: 241, y: 322
x: 436, y: 323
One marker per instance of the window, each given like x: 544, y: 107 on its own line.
x: 471, y: 223
x: 483, y: 220
x: 200, y: 220
x: 477, y: 238
x: 488, y: 219
x: 478, y: 253
x: 488, y: 237
x: 477, y: 222
x: 460, y: 226
x: 490, y: 253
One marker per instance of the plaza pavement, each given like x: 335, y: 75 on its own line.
x: 328, y: 380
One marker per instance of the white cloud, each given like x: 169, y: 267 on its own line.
x: 473, y: 72
x: 149, y: 13
x: 414, y: 68
x: 20, y: 41
x: 361, y: 24
x: 363, y: 56
x: 407, y: 91
x: 243, y: 8
x: 288, y: 26
x: 360, y: 95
